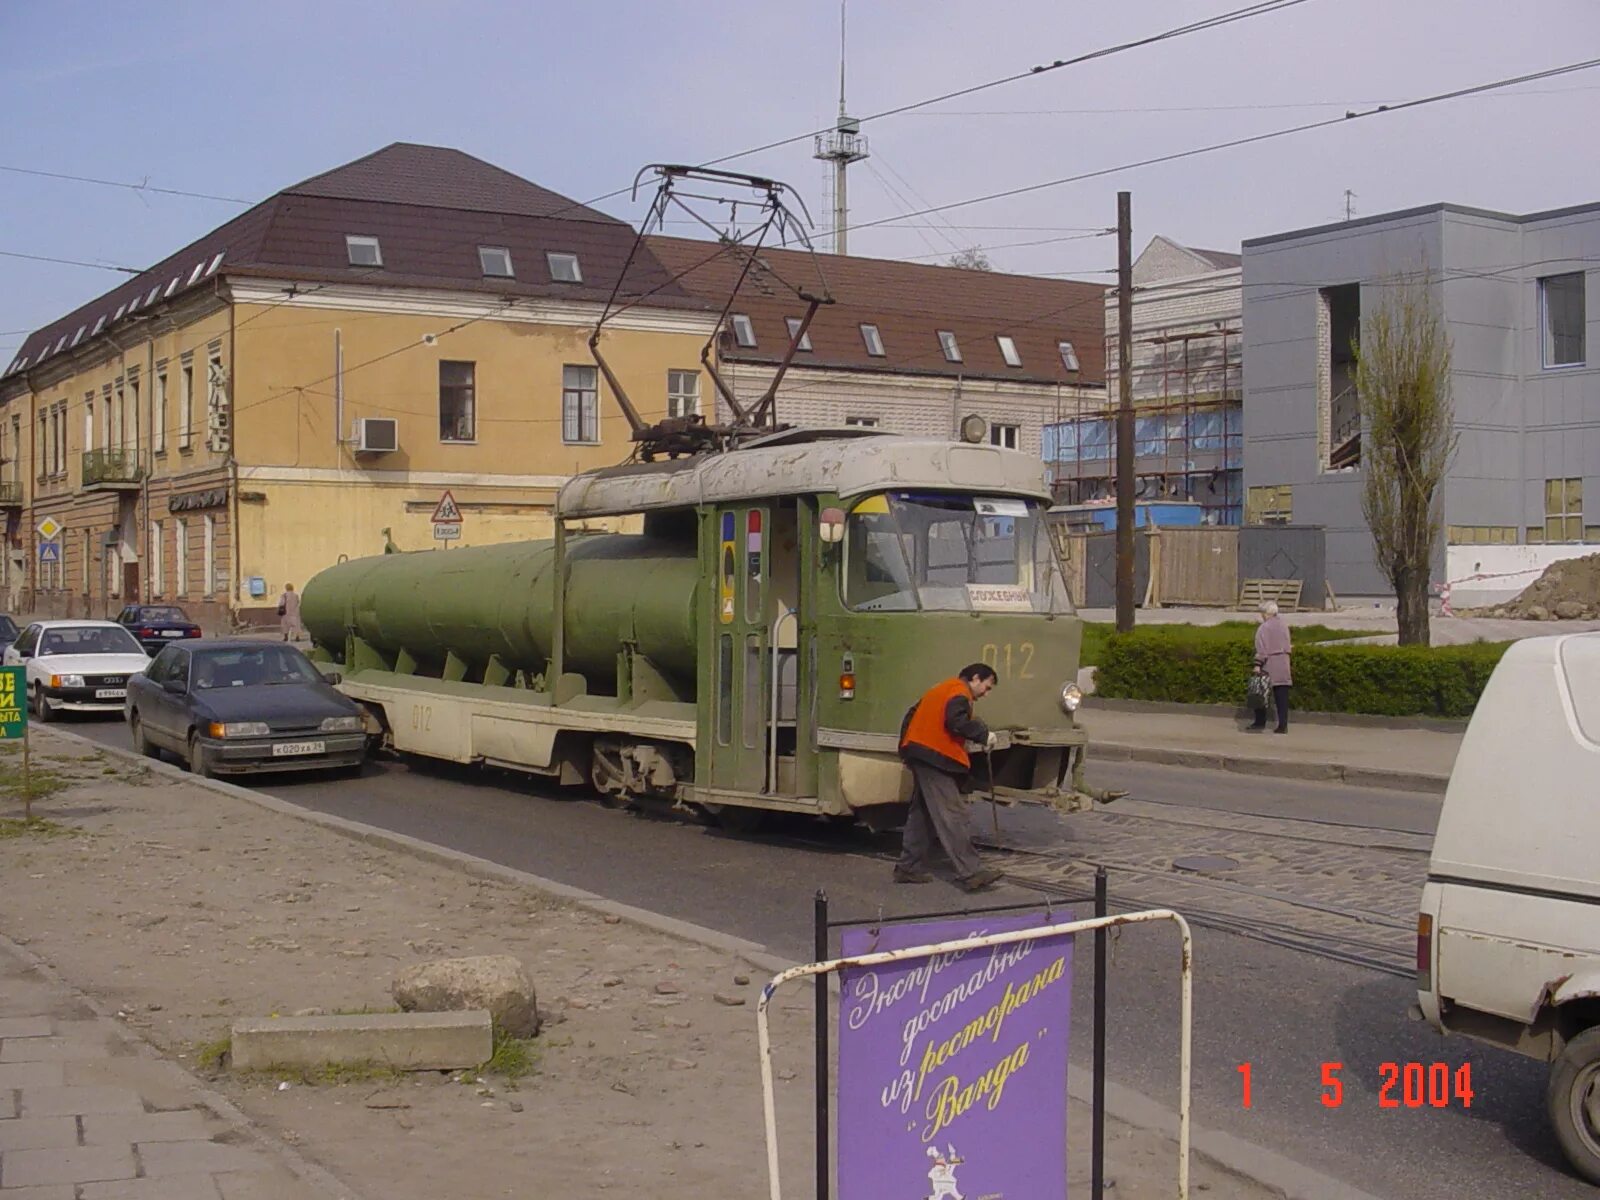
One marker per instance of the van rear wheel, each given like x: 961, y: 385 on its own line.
x: 1573, y: 1098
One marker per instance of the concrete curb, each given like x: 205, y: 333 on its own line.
x: 220, y: 1106
x: 1221, y: 1150
x: 1325, y: 772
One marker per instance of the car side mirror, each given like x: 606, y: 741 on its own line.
x: 175, y: 686
x: 332, y: 677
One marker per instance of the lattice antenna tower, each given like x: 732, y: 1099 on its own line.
x: 841, y: 146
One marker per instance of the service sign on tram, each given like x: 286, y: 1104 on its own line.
x: 953, y: 1069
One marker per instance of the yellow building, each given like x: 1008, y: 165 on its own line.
x: 305, y: 382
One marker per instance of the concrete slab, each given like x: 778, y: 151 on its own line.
x: 38, y: 1133
x: 54, y: 1191
x: 121, y: 1129
x: 31, y: 1074
x: 405, y: 1041
x: 197, y: 1157
x: 81, y: 1164
x: 168, y: 1187
x: 58, y: 1049
x: 71, y: 1101
x: 8, y: 1105
x: 20, y: 1027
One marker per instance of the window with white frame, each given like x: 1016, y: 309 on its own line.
x: 458, y: 412
x: 180, y: 554
x: 873, y: 340
x: 363, y: 251
x: 159, y: 433
x: 105, y: 418
x: 1563, y: 510
x: 563, y: 267
x: 1008, y: 350
x: 158, y: 582
x: 1069, y: 356
x: 794, y: 327
x: 683, y: 393
x: 495, y: 260
x: 744, y: 330
x: 862, y: 422
x: 130, y: 416
x: 1006, y: 437
x: 1562, y: 315
x: 951, y: 348
x: 186, y: 403
x: 580, y: 405
x: 208, y: 555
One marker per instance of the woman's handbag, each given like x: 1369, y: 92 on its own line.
x: 1257, y: 691
x: 282, y: 608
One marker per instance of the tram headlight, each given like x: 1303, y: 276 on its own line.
x: 1071, y: 697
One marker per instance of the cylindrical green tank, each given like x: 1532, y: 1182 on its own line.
x: 498, y: 600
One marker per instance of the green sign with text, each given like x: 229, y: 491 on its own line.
x: 13, y: 701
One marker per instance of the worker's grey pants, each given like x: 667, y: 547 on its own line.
x: 937, y: 810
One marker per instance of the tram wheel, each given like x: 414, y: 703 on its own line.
x: 736, y: 818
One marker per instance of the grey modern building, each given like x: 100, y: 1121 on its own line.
x: 1520, y: 298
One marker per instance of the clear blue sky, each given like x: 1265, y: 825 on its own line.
x: 241, y: 100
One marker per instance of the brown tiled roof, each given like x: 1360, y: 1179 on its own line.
x: 439, y: 177
x: 400, y: 196
x: 909, y: 303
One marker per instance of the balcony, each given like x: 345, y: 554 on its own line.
x: 10, y: 494
x: 111, y: 470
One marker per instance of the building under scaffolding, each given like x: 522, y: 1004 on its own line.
x: 1188, y: 428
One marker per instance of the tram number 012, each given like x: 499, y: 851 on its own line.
x: 1014, y: 661
x: 422, y: 718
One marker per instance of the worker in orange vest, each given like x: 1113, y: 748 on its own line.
x: 933, y: 740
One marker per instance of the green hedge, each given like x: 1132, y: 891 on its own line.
x: 1194, y: 665
x: 1097, y: 635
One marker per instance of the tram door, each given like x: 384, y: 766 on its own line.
x: 742, y: 655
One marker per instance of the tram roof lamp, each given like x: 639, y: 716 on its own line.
x: 830, y: 526
x: 973, y: 427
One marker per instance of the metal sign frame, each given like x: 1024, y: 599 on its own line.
x: 832, y: 966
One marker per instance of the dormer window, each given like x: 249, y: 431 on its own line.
x: 363, y: 251
x: 794, y: 327
x: 1008, y: 350
x: 947, y: 343
x: 171, y: 287
x: 873, y: 340
x: 217, y: 261
x: 496, y: 261
x: 1069, y: 356
x: 563, y: 267
x: 78, y: 337
x: 194, y: 275
x: 744, y: 332
x: 98, y: 326
x: 151, y: 297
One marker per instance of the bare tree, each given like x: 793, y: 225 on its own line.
x: 971, y: 259
x: 1403, y: 382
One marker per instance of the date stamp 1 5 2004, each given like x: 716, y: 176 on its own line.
x: 1400, y: 1085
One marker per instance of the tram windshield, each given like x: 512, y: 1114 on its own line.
x: 949, y: 552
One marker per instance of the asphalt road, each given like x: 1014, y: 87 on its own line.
x: 1284, y: 1012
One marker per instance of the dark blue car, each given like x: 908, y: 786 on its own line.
x: 157, y: 625
x: 231, y: 707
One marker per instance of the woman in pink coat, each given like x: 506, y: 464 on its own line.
x: 1272, y: 659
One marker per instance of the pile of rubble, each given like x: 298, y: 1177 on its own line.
x: 1567, y: 591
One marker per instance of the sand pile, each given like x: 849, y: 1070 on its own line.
x: 1568, y: 591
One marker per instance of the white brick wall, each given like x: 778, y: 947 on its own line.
x: 1191, y: 304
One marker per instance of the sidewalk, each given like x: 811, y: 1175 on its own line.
x: 181, y: 906
x: 1362, y: 755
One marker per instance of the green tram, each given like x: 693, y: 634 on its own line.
x: 753, y: 645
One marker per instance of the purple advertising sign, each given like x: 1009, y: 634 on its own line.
x: 953, y: 1069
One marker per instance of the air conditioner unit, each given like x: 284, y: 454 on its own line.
x: 376, y: 435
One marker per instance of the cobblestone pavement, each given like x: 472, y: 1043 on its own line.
x: 1348, y: 893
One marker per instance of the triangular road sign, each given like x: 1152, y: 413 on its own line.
x: 447, y: 513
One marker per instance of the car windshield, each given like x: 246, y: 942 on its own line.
x: 89, y: 639
x: 950, y: 552
x: 252, y: 666
x: 161, y: 614
x: 8, y: 629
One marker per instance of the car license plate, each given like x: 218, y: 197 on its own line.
x: 111, y: 693
x: 172, y: 633
x: 284, y: 749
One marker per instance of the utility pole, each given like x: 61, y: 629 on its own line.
x: 1124, y: 412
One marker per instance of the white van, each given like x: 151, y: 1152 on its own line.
x: 1508, y: 937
